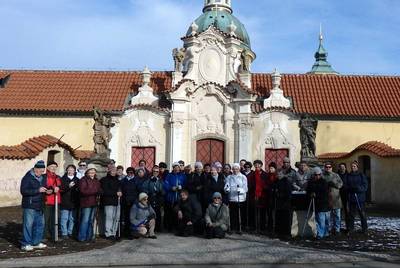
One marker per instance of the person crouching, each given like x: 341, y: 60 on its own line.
x: 143, y: 218
x: 217, y: 218
x: 189, y: 215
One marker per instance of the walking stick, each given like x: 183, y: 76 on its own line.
x: 96, y: 218
x: 240, y: 216
x: 358, y: 203
x: 56, y: 218
x: 308, y: 214
x: 119, y: 218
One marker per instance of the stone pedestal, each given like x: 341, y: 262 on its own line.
x: 312, y: 161
x: 101, y: 163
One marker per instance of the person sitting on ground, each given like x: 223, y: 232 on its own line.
x: 143, y: 218
x: 69, y: 202
x: 32, y: 191
x: 217, y: 218
x: 189, y: 214
x: 318, y: 190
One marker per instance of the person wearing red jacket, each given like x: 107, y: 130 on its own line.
x: 89, y: 193
x: 258, y: 183
x: 53, y: 184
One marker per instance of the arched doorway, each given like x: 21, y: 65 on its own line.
x: 365, y: 168
x: 210, y: 151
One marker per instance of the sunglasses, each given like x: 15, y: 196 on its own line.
x: 328, y: 166
x: 82, y: 165
x: 216, y: 198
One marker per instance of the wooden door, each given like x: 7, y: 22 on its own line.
x: 209, y: 151
x: 275, y: 155
x: 146, y: 153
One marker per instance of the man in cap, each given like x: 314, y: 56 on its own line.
x: 287, y: 171
x: 33, y: 190
x: 318, y: 190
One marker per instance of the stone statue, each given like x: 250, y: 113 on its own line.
x: 308, y: 133
x: 245, y: 60
x: 102, y: 134
x: 179, y: 56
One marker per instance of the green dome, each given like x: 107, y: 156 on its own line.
x: 221, y: 19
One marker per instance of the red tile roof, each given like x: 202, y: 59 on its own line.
x: 324, y: 95
x: 73, y: 91
x: 33, y: 147
x: 379, y: 148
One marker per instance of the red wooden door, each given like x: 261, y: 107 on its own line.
x: 209, y: 151
x: 275, y: 155
x: 146, y: 153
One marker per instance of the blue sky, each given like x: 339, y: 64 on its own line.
x: 361, y: 36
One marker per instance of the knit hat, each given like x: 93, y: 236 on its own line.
x: 142, y: 196
x: 198, y: 165
x: 258, y: 162
x: 317, y: 171
x: 217, y: 165
x: 91, y: 166
x: 50, y: 163
x: 40, y: 164
x: 217, y: 195
x: 286, y: 159
x: 175, y: 164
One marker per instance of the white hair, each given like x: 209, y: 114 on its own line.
x: 198, y: 165
x: 236, y: 165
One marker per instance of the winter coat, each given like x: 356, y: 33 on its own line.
x: 195, y: 185
x: 283, y: 193
x: 236, y: 185
x: 301, y: 180
x: 218, y: 215
x: 69, y: 195
x: 335, y: 183
x: 110, y: 186
x: 139, y: 183
x: 173, y: 180
x: 356, y: 184
x: 141, y: 214
x: 191, y: 209
x: 153, y: 187
x: 30, y: 185
x: 89, y: 190
x: 211, y: 186
x: 52, y: 181
x: 343, y: 192
x: 258, y: 188
x: 129, y: 191
x: 321, y: 190
x: 272, y: 178
x: 290, y: 174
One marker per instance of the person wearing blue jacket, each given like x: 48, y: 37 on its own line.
x: 173, y: 184
x: 356, y: 186
x: 32, y: 190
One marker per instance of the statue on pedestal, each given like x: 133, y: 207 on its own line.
x: 308, y: 132
x: 102, y: 134
x: 179, y: 56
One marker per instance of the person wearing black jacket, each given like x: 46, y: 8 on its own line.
x: 282, y: 191
x: 69, y: 202
x: 214, y: 183
x: 111, y: 194
x: 318, y: 189
x: 356, y: 185
x: 129, y: 198
x: 342, y: 172
x: 194, y: 182
x: 189, y: 215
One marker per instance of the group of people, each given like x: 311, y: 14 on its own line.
x: 210, y: 200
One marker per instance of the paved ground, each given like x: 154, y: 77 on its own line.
x: 174, y: 251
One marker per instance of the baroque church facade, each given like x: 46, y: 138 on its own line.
x: 211, y: 107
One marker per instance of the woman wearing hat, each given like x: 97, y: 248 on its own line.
x: 217, y: 218
x: 89, y: 192
x: 143, y: 218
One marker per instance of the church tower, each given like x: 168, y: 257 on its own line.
x: 216, y: 48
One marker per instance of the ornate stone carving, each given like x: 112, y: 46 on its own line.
x: 276, y: 98
x: 194, y: 27
x: 308, y: 132
x: 143, y: 135
x: 246, y: 60
x: 102, y: 134
x: 178, y: 56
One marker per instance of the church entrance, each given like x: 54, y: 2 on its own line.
x: 275, y: 155
x: 209, y: 151
x: 146, y: 153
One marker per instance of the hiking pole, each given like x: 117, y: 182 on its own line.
x: 240, y: 216
x: 56, y: 218
x: 308, y: 214
x: 96, y: 219
x: 358, y: 203
x: 119, y: 218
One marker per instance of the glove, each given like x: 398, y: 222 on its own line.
x: 313, y: 195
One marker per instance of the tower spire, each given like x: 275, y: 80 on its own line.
x: 217, y: 5
x: 321, y: 65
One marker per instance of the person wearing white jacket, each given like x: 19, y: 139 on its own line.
x: 236, y: 188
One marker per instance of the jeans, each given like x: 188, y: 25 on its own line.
x: 112, y: 216
x: 68, y: 220
x: 322, y: 224
x: 32, y: 227
x: 336, y: 220
x: 86, y: 225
